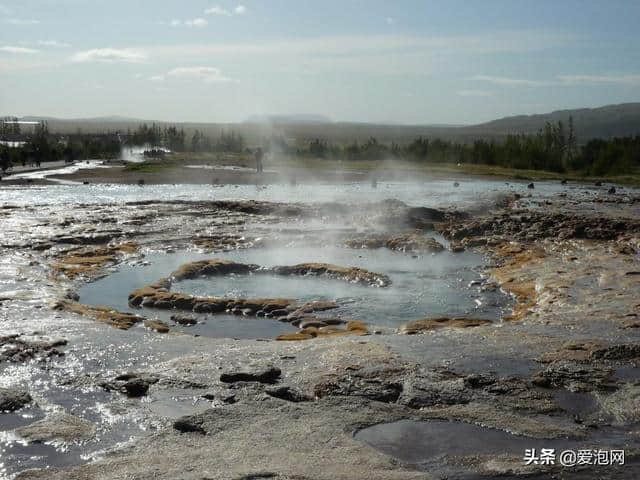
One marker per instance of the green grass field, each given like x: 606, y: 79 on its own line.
x: 322, y: 164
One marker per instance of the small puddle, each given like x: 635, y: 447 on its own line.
x: 423, y: 443
x: 178, y: 403
x: 576, y: 403
x: 439, y: 445
x: 627, y: 373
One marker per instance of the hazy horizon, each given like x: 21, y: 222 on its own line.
x: 410, y: 62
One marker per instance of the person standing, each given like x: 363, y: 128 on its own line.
x: 259, y: 155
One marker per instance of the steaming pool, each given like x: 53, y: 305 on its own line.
x: 440, y: 284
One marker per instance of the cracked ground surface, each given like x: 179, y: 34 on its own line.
x: 561, y: 366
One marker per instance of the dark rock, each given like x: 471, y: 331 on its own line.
x: 380, y: 384
x: 71, y: 295
x: 479, y: 380
x: 183, y: 319
x: 132, y: 384
x: 287, y: 393
x: 628, y: 351
x: 531, y: 186
x: 18, y: 348
x: 268, y: 374
x: 257, y: 476
x: 423, y: 217
x: 157, y: 326
x: 230, y: 399
x: 539, y: 225
x: 190, y: 423
x: 12, y: 399
x: 202, y: 307
x: 136, y: 387
x: 574, y: 377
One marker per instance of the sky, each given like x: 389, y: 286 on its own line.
x: 402, y: 61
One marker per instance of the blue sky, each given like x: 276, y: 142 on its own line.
x: 413, y: 62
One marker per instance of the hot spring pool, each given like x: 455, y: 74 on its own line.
x: 443, y: 283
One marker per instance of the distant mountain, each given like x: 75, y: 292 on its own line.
x: 288, y: 119
x: 607, y: 121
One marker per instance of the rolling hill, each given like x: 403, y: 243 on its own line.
x: 607, y: 121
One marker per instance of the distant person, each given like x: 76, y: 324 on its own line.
x: 5, y: 161
x: 259, y: 155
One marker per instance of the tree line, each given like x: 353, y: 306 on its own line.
x: 176, y: 140
x: 41, y: 146
x: 554, y: 148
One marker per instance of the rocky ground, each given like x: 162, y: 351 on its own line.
x: 562, y: 367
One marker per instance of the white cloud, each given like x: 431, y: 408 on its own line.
x: 10, y: 49
x: 390, y: 20
x: 53, y: 43
x: 511, y: 82
x: 221, y: 11
x: 109, y: 55
x: 196, y: 22
x: 600, y: 79
x: 4, y: 10
x: 473, y: 93
x: 157, y: 78
x: 217, y: 10
x: 22, y: 21
x: 206, y: 74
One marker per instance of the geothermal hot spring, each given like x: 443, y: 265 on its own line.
x: 422, y: 285
x: 442, y: 283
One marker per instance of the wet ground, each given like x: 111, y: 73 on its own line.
x: 553, y: 364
